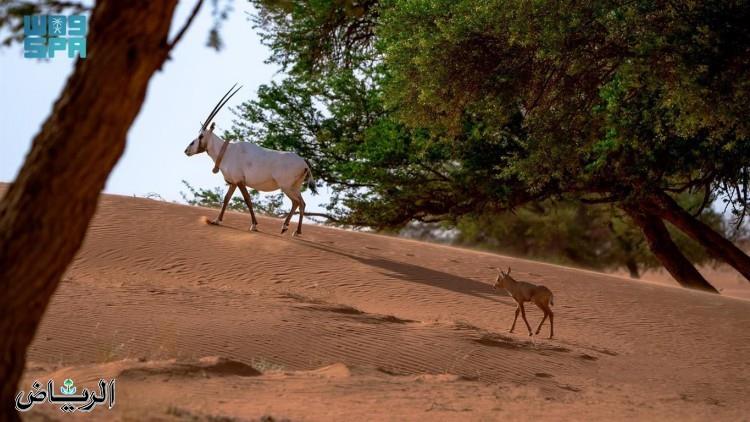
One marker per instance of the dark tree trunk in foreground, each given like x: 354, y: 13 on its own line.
x: 45, y: 212
x: 667, y: 252
x: 715, y: 244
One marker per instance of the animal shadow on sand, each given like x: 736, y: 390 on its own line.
x: 503, y: 341
x: 409, y: 272
x: 418, y: 274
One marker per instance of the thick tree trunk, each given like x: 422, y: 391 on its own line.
x: 632, y: 267
x: 45, y: 212
x: 714, y: 243
x: 630, y: 263
x: 661, y: 244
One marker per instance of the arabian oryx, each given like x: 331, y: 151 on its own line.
x: 244, y: 164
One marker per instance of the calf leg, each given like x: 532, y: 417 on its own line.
x: 513, y: 327
x: 523, y: 315
x: 246, y: 195
x: 551, y: 324
x: 227, y: 197
x: 542, y: 321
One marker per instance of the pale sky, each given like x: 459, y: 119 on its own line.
x: 178, y: 98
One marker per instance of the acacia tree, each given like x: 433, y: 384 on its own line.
x: 622, y: 103
x: 331, y: 109
x: 604, y: 102
x: 43, y: 218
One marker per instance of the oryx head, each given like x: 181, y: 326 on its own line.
x: 200, y: 144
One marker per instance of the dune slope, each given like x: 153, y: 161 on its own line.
x: 411, y: 329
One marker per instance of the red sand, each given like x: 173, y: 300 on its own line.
x: 403, y: 330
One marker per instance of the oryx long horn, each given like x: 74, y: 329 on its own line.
x: 215, y: 109
x: 219, y: 105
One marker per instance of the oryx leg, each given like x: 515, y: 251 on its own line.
x: 295, y: 204
x: 246, y: 195
x: 227, y: 197
x: 297, y: 197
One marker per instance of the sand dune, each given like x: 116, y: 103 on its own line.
x: 344, y: 325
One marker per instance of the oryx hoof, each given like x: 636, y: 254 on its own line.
x: 297, y: 233
x: 284, y: 229
x: 530, y: 334
x: 254, y: 228
x: 215, y: 222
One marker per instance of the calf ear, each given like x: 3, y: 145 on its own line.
x: 509, y: 270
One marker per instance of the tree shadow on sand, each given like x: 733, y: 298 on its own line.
x: 417, y: 274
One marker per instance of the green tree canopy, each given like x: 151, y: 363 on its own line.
x: 433, y: 109
x: 615, y: 97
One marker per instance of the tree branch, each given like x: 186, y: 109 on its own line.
x: 706, y: 200
x: 184, y: 28
x: 319, y: 214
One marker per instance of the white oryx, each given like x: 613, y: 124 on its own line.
x: 247, y: 164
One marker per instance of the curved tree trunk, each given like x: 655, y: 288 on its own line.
x: 714, y: 243
x: 45, y: 212
x: 661, y: 244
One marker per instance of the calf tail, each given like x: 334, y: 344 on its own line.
x: 551, y: 299
x: 311, y: 180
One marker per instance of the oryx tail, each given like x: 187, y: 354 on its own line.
x: 311, y: 180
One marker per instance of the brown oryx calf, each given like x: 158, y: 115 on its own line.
x: 521, y: 292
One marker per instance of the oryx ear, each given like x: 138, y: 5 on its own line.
x: 213, y: 125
